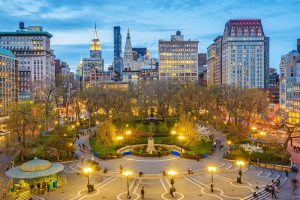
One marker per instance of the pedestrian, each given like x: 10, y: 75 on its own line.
x: 278, y: 183
x: 143, y: 192
x: 121, y: 169
x: 273, y: 193
x: 257, y: 162
x: 286, y: 173
x: 255, y: 195
x: 48, y: 187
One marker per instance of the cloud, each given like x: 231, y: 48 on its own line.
x: 17, y: 8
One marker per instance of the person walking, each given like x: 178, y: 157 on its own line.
x: 143, y: 192
x: 273, y: 192
x: 121, y: 169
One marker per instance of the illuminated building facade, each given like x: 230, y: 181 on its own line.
x: 245, y: 54
x: 178, y: 59
x: 211, y: 64
x: 8, y: 79
x: 31, y: 45
x: 290, y: 85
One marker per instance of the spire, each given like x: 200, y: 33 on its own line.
x: 80, y: 58
x: 128, y: 34
x: 95, y: 32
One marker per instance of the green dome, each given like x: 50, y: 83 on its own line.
x: 35, y: 165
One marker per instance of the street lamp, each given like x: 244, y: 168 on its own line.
x: 240, y: 164
x: 127, y: 174
x: 119, y: 138
x: 128, y: 132
x: 173, y: 133
x: 181, y: 137
x: 88, y: 171
x: 212, y: 170
x: 172, y: 173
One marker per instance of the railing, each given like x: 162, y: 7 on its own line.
x: 267, y: 166
x: 271, y: 166
x: 171, y: 147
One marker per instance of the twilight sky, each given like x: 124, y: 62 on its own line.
x: 72, y: 21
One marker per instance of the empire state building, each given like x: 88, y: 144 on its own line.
x: 95, y: 48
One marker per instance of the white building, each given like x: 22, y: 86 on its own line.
x: 245, y: 54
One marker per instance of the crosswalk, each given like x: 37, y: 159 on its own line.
x: 25, y: 195
x: 72, y: 167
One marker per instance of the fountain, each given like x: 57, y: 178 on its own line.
x: 150, y: 145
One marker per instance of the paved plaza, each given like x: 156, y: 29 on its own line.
x: 113, y: 185
x: 195, y: 186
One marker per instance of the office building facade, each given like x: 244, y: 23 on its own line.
x: 178, y: 59
x: 245, y: 54
x: 9, y: 86
x: 31, y: 46
x: 290, y: 85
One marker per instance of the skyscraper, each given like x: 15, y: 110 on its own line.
x: 8, y: 79
x: 128, y: 54
x: 298, y: 45
x: 31, y: 46
x: 95, y: 47
x: 290, y: 84
x: 211, y: 64
x: 178, y: 59
x: 118, y: 61
x: 245, y: 54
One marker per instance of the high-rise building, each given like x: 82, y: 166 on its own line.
x: 178, y: 59
x: 298, y: 45
x: 31, y: 46
x: 128, y: 54
x: 214, y: 69
x: 218, y: 69
x: 201, y: 59
x: 273, y: 78
x: 211, y: 65
x: 245, y: 54
x: 118, y: 61
x: 95, y: 61
x: 290, y: 85
x: 9, y: 86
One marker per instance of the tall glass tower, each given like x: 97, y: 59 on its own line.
x: 118, y: 61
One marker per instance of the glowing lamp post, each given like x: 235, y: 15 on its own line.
x: 88, y: 172
x: 119, y: 138
x: 127, y: 174
x: 212, y: 170
x: 172, y: 173
x: 240, y: 164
